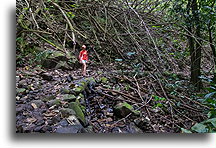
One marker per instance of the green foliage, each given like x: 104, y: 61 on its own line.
x: 157, y: 98
x: 118, y: 60
x: 206, y: 13
x: 103, y: 80
x: 207, y: 126
x: 74, y: 6
x: 70, y: 15
x: 199, y: 128
x: 159, y: 101
x: 43, y: 55
x: 209, y: 98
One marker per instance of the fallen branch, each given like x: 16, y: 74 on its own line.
x: 121, y: 93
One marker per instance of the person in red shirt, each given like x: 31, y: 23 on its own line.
x: 83, y: 58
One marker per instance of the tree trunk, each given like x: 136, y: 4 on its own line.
x: 212, y: 46
x: 195, y: 46
x: 211, y: 40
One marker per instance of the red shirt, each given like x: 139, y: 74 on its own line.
x: 83, y: 55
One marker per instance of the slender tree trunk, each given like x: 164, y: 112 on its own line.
x: 212, y: 46
x: 195, y: 46
x: 211, y: 40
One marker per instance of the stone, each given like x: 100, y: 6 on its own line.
x: 62, y: 65
x: 53, y: 58
x: 38, y: 103
x: 20, y: 90
x: 38, y: 128
x: 79, y: 114
x: 123, y: 109
x: 66, y: 112
x: 48, y: 98
x: 22, y: 82
x: 142, y: 123
x: 69, y: 98
x: 65, y: 91
x: 63, y: 123
x: 46, y: 76
x: 89, y: 129
x: 56, y: 119
x: 134, y: 129
x: 71, y: 129
x: 40, y: 122
x: 72, y: 120
x: 69, y: 78
x: 56, y: 102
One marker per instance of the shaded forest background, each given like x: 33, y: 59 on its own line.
x: 160, y: 53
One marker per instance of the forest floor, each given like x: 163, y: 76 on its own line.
x: 109, y: 102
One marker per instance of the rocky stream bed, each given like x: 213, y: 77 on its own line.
x: 62, y: 101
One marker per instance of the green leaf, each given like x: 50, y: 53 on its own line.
x: 185, y: 131
x: 156, y: 26
x: 212, y: 121
x: 212, y: 113
x: 211, y: 89
x: 119, y: 60
x: 207, y: 7
x: 159, y: 105
x: 130, y: 53
x: 209, y: 95
x: 200, y: 128
x: 26, y: 8
x: 46, y: 8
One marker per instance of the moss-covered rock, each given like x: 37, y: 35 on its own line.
x: 69, y: 97
x: 56, y: 102
x: 81, y: 99
x: 66, y: 112
x: 64, y: 91
x: 62, y: 65
x: 38, y: 103
x: 79, y: 113
x: 123, y: 109
x: 78, y: 89
x: 21, y: 90
x: 48, y: 98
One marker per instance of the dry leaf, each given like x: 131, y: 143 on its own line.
x: 31, y: 120
x: 49, y: 114
x: 34, y: 105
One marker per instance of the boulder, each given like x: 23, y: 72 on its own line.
x: 57, y: 59
x: 79, y: 113
x: 70, y: 125
x: 123, y: 109
x: 62, y: 65
x: 52, y: 58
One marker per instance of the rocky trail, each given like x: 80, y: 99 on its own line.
x: 62, y: 101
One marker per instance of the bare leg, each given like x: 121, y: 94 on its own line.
x: 84, y: 69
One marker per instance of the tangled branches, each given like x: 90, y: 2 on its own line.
x: 115, y: 28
